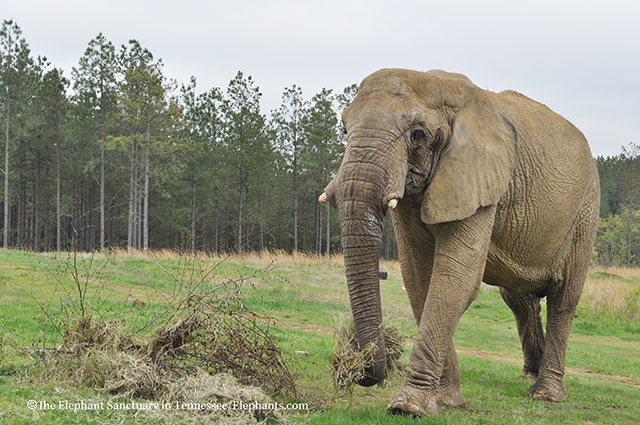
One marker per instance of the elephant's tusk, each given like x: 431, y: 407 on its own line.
x: 393, y: 203
x: 323, y: 198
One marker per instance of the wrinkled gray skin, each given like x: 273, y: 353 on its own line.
x: 490, y: 186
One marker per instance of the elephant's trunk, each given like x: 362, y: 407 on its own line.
x: 361, y: 190
x: 361, y: 232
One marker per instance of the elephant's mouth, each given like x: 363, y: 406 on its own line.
x: 416, y: 182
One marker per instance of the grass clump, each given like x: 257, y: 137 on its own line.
x: 349, y: 361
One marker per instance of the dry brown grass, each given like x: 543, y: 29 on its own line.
x: 610, y: 287
x: 632, y: 273
x: 259, y: 258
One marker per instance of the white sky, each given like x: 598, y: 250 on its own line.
x: 581, y: 58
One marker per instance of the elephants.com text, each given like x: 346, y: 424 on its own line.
x: 77, y: 406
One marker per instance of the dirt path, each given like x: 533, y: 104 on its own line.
x: 605, y: 341
x: 308, y: 327
x: 631, y: 380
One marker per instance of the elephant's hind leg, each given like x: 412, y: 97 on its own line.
x: 526, y: 309
x: 562, y: 300
x: 561, y: 307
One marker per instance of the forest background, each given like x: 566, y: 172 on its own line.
x: 119, y: 155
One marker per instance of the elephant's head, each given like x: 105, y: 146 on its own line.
x: 433, y: 138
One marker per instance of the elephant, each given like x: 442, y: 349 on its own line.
x: 481, y: 186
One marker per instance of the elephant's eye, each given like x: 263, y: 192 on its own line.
x: 418, y: 136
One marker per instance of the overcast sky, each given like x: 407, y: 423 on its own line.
x: 580, y: 58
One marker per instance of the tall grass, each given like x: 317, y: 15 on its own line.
x: 613, y: 288
x: 257, y: 257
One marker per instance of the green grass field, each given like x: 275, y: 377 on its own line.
x: 305, y: 296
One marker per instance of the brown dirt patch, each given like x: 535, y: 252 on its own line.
x: 606, y: 341
x: 307, y: 327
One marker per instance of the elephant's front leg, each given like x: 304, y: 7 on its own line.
x: 459, y: 259
x: 416, y: 247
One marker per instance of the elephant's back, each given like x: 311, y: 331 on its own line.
x: 549, y: 143
x: 554, y: 181
x: 539, y: 125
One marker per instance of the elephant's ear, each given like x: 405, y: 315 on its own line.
x: 476, y: 167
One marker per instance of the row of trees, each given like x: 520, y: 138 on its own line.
x: 120, y: 155
x: 618, y: 241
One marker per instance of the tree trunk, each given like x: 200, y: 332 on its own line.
x: 58, y: 244
x: 20, y: 213
x: 130, y: 229
x: 80, y: 223
x: 240, y: 207
x: 246, y: 236
x: 145, y: 225
x: 145, y: 218
x: 227, y: 237
x: 304, y: 239
x: 203, y: 237
x: 217, y: 244
x: 193, y: 211
x: 326, y: 182
x: 102, y: 188
x: 92, y: 221
x: 102, y: 203
x: 280, y: 224
x: 319, y: 230
x: 295, y: 203
x: 629, y: 233
x: 261, y: 224
x: 47, y: 238
x: 328, y: 250
x: 5, y: 236
x: 36, y: 204
x: 139, y: 215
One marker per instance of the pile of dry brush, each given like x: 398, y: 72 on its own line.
x: 213, y: 350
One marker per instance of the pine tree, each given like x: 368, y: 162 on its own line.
x: 244, y: 146
x: 56, y: 105
x: 45, y: 130
x: 288, y: 125
x: 323, y: 150
x: 202, y: 132
x: 95, y: 87
x: 143, y: 96
x: 15, y: 64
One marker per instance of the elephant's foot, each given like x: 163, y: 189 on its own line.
x: 410, y: 401
x: 451, y: 397
x: 549, y: 391
x: 528, y: 373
